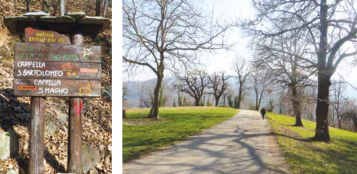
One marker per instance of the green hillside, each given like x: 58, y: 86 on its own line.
x: 306, y: 156
x: 142, y: 135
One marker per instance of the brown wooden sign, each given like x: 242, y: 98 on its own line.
x: 57, y: 87
x: 43, y: 36
x: 57, y: 52
x: 57, y: 70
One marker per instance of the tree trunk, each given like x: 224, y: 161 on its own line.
x: 216, y: 101
x: 197, y: 101
x: 339, y: 120
x: 105, y: 8
x: 155, y: 107
x: 224, y: 100
x: 260, y: 98
x: 55, y: 7
x: 28, y: 4
x: 354, y: 119
x: 239, y: 96
x: 322, y: 132
x: 62, y: 7
x: 256, y: 99
x: 97, y: 7
x: 45, y: 6
x: 296, y: 106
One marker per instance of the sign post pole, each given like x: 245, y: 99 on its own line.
x: 75, y: 124
x: 37, y: 130
x: 37, y: 134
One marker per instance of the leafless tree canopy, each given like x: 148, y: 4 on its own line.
x: 328, y: 28
x: 162, y: 34
x: 243, y: 73
x: 195, y: 84
x: 156, y: 31
x: 218, y: 85
x: 261, y: 82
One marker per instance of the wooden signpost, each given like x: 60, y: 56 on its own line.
x: 56, y: 70
x: 52, y: 64
x: 46, y: 66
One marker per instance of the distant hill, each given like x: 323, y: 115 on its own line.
x: 135, y: 88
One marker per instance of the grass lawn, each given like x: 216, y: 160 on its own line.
x: 305, y: 156
x: 142, y: 135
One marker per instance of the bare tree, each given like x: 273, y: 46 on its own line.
x: 242, y: 75
x: 218, y: 85
x: 261, y: 82
x: 195, y: 84
x: 329, y: 27
x: 338, y: 88
x: 163, y: 35
x: 228, y: 92
x: 350, y: 113
x: 281, y: 57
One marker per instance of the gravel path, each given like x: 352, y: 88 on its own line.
x: 243, y: 144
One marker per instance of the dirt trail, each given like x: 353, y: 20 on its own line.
x: 243, y: 144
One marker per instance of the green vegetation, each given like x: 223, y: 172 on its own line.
x: 142, y: 135
x: 306, y: 156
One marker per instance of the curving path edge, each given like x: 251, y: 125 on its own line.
x: 243, y: 144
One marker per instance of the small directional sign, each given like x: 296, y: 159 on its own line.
x: 44, y: 36
x: 57, y: 53
x: 57, y: 87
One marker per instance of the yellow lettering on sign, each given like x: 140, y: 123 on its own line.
x: 37, y: 39
x: 51, y: 39
x: 44, y: 34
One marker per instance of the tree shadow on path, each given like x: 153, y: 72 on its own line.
x: 225, y: 152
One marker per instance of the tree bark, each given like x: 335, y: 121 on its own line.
x: 240, y: 95
x: 197, y: 101
x: 61, y: 5
x: 216, y: 101
x: 45, y: 6
x: 97, y: 7
x: 322, y: 132
x: 296, y: 106
x: 256, y: 99
x: 155, y: 107
x: 339, y: 121
x: 105, y: 8
x: 28, y: 4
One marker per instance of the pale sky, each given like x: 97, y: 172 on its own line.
x: 223, y: 59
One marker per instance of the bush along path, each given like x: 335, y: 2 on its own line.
x: 242, y: 144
